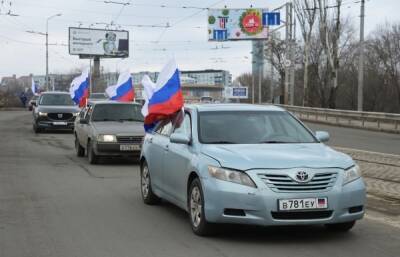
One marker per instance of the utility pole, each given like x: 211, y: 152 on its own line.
x: 289, y: 53
x: 361, y: 60
x: 292, y: 54
x: 260, y: 77
x: 47, y: 50
x: 271, y: 71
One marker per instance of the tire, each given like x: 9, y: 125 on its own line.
x: 199, y: 224
x: 341, y: 227
x: 80, y: 151
x: 148, y: 195
x: 36, y: 129
x: 92, y: 157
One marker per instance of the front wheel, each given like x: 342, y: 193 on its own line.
x: 196, y: 209
x: 80, y: 151
x: 341, y: 227
x: 92, y: 157
x: 148, y: 195
x: 36, y: 129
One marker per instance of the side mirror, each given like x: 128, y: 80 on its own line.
x: 83, y: 121
x: 322, y: 136
x: 179, y: 138
x: 34, y: 103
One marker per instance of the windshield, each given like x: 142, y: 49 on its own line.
x: 117, y: 112
x: 251, y: 127
x: 98, y: 96
x: 56, y: 99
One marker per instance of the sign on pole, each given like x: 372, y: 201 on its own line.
x: 98, y: 42
x: 236, y: 92
x: 240, y: 24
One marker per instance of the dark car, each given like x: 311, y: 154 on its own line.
x: 109, y: 128
x: 32, y: 103
x: 55, y: 110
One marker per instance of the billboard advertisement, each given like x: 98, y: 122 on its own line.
x: 99, y: 42
x: 240, y: 24
x: 236, y: 92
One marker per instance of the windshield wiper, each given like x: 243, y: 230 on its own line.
x: 274, y: 142
x: 130, y: 120
x: 221, y: 142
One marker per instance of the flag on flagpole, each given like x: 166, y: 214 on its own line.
x: 123, y: 90
x: 34, y: 87
x: 163, y: 98
x: 79, y: 89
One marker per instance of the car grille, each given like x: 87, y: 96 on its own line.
x: 301, y: 215
x: 130, y: 139
x: 284, y: 183
x: 60, y: 116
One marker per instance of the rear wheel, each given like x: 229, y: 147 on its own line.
x: 148, y: 195
x: 92, y: 157
x: 196, y: 210
x: 80, y: 151
x: 341, y: 227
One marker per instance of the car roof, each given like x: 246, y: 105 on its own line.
x: 233, y: 107
x: 54, y: 93
x: 98, y: 102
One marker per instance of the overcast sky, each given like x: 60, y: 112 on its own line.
x: 22, y: 53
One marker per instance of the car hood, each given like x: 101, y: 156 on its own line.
x: 58, y: 108
x: 277, y: 156
x: 119, y: 128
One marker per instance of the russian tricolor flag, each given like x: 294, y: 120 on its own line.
x: 163, y: 98
x: 123, y: 91
x: 79, y: 89
x: 34, y: 87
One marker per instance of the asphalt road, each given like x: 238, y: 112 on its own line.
x: 360, y: 139
x: 55, y: 204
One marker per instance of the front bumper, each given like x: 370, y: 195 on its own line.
x: 45, y: 124
x: 259, y: 206
x: 114, y: 150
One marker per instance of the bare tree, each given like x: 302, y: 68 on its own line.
x: 330, y: 31
x: 306, y: 12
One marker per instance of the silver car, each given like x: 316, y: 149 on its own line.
x: 109, y: 128
x: 248, y: 164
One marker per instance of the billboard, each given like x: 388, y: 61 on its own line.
x: 236, y: 92
x: 99, y: 42
x: 240, y: 24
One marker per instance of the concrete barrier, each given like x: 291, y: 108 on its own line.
x: 386, y: 122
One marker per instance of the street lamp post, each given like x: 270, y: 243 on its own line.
x: 47, y: 49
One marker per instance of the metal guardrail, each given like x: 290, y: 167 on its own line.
x: 386, y: 122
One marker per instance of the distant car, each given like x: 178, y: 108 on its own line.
x: 97, y: 97
x: 248, y: 164
x: 109, y: 128
x: 32, y: 103
x: 54, y: 110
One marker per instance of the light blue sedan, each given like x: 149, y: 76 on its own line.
x: 248, y: 164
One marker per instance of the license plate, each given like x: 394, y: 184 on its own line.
x: 303, y: 204
x: 59, y: 123
x: 129, y: 147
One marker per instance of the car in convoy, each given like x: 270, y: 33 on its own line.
x: 33, y: 102
x: 55, y: 110
x: 249, y: 164
x: 109, y: 129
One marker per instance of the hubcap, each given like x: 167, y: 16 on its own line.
x: 145, y: 181
x: 195, y: 206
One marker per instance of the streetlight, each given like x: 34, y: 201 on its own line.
x: 47, y: 48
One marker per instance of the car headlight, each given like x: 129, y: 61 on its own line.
x: 351, y: 174
x: 107, y: 138
x: 231, y: 176
x: 42, y: 113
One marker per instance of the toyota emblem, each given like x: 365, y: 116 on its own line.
x: 302, y: 176
x: 59, y: 115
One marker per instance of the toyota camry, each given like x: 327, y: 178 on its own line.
x: 248, y: 164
